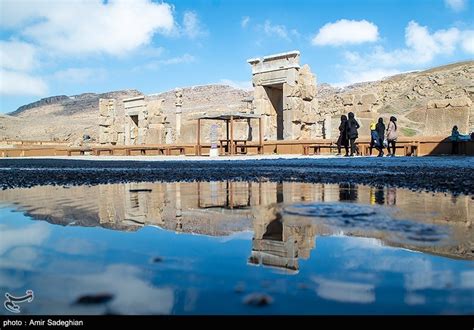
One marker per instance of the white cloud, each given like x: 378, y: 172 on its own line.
x: 456, y: 5
x: 345, y: 32
x: 421, y: 48
x: 79, y: 75
x: 343, y: 291
x: 59, y: 28
x: 245, y: 85
x: 16, y: 55
x: 20, y: 83
x: 155, y: 65
x: 467, y: 279
x: 467, y: 41
x: 279, y: 31
x: 245, y: 21
x: 352, y: 77
x: 29, y: 236
x: 133, y: 291
x: 192, y: 27
x: 115, y: 27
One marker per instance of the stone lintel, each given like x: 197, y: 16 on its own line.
x: 136, y: 98
x: 293, y: 54
x: 276, y: 62
x: 134, y: 112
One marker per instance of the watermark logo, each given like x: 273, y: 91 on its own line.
x: 11, y: 304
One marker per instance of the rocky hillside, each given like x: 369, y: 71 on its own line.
x: 407, y: 96
x: 67, y: 118
x: 206, y: 98
x: 63, y: 105
x: 58, y: 118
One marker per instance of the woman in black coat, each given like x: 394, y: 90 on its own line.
x: 352, y: 133
x: 342, y: 140
x: 380, y: 128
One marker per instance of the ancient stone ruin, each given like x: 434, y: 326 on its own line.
x: 142, y: 122
x: 107, y: 116
x: 285, y: 95
x: 442, y: 115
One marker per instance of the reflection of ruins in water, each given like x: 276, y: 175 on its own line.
x: 224, y: 208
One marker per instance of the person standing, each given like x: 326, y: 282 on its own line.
x: 392, y: 135
x: 374, y: 138
x: 342, y: 140
x: 457, y: 137
x: 352, y: 133
x: 380, y: 128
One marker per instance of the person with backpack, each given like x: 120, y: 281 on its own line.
x: 374, y: 138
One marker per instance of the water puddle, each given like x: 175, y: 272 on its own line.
x: 236, y: 248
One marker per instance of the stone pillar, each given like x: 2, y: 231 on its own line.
x: 179, y: 105
x: 179, y: 209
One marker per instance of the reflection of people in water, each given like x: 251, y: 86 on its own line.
x: 347, y: 192
x: 377, y: 196
x: 391, y: 196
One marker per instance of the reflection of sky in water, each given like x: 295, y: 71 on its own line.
x: 199, y: 274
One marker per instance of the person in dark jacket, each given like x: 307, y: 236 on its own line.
x: 374, y: 138
x: 342, y: 140
x: 352, y: 133
x: 380, y: 128
x: 457, y: 137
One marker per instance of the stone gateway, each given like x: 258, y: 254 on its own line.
x: 285, y: 95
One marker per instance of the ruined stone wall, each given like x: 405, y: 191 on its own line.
x: 120, y: 129
x: 155, y: 122
x: 301, y: 107
x: 107, y: 116
x: 442, y: 115
x: 199, y: 101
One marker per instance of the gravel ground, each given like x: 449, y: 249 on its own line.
x: 448, y: 174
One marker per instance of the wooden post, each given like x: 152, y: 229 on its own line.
x: 227, y: 135
x: 231, y: 135
x: 198, y: 146
x: 260, y: 131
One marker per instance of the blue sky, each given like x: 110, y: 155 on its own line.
x: 55, y: 47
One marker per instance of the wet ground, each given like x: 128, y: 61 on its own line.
x: 449, y: 174
x: 236, y: 248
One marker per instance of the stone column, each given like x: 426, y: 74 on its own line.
x: 179, y: 105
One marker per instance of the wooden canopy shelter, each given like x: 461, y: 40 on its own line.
x: 229, y: 119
